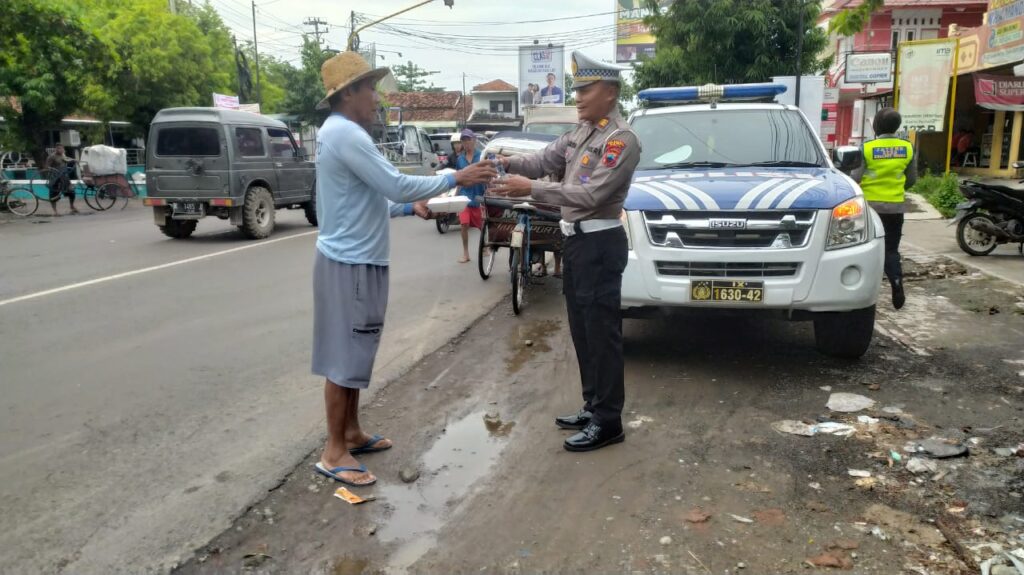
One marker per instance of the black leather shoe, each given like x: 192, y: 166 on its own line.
x: 595, y: 436
x: 574, y: 421
x: 898, y: 297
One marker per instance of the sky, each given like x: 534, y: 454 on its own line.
x: 476, y: 37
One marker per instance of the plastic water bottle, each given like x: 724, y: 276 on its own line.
x: 498, y: 165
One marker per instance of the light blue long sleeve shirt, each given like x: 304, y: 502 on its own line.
x: 357, y: 190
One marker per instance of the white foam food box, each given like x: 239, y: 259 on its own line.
x: 448, y: 204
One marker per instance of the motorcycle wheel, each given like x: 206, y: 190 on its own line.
x: 972, y: 241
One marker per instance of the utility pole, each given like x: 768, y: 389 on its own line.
x: 351, y: 30
x: 172, y: 6
x: 464, y: 118
x: 316, y: 23
x: 799, y: 52
x: 256, y: 48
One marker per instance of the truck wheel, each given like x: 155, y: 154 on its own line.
x: 844, y: 334
x: 309, y: 208
x: 972, y: 241
x: 257, y: 213
x: 178, y: 229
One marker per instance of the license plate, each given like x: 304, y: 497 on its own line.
x: 727, y: 291
x: 188, y: 208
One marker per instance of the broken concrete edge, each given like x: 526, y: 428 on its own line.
x: 401, y: 370
x: 964, y: 260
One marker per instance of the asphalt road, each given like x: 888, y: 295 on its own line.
x: 153, y: 388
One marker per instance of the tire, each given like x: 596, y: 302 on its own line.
x: 976, y: 238
x: 443, y: 224
x: 257, y: 213
x: 845, y: 335
x: 21, y: 202
x: 106, y: 196
x: 485, y: 266
x: 178, y: 229
x: 519, y: 280
x: 309, y: 208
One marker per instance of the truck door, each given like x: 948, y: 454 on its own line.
x: 252, y: 160
x: 294, y: 172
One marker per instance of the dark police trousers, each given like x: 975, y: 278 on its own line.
x: 592, y: 283
x: 893, y: 226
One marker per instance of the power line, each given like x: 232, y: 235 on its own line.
x: 443, y: 23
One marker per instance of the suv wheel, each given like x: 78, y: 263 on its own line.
x: 178, y: 229
x: 257, y: 213
x: 310, y: 209
x: 844, y: 334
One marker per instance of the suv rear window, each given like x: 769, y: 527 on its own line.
x: 190, y: 141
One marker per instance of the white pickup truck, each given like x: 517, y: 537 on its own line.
x: 735, y: 206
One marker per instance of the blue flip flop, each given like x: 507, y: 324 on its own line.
x: 369, y: 446
x: 335, y: 474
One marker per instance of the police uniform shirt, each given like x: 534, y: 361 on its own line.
x: 884, y: 191
x: 595, y: 163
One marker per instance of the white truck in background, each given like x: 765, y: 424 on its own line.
x: 551, y: 120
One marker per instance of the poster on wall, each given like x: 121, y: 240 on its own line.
x: 542, y: 75
x: 923, y: 83
x: 633, y: 38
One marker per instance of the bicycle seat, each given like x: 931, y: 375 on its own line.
x: 525, y: 207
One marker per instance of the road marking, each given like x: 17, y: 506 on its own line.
x: 123, y: 275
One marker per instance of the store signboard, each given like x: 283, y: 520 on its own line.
x: 1004, y: 93
x: 1000, y: 11
x: 923, y: 83
x: 869, y: 68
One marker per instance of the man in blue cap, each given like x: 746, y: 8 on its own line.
x: 472, y: 216
x: 595, y: 163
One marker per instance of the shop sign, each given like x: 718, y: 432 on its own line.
x: 869, y: 68
x: 925, y: 68
x: 999, y: 92
x: 1000, y: 11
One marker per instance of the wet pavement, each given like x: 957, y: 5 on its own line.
x: 705, y: 483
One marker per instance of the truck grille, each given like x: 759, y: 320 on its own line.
x: 763, y: 229
x: 728, y: 269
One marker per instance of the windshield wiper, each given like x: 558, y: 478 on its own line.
x: 785, y: 164
x: 694, y: 165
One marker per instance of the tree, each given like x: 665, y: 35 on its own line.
x: 730, y: 41
x: 410, y: 78
x: 47, y: 57
x: 160, y: 59
x: 305, y: 88
x: 851, y: 21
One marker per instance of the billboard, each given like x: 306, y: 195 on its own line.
x: 869, y: 68
x: 542, y: 75
x: 923, y: 83
x: 633, y: 38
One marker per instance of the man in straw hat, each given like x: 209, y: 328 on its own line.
x: 357, y: 190
x: 596, y: 162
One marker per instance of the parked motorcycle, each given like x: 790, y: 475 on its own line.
x: 991, y: 216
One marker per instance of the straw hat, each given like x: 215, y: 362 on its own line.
x: 343, y: 70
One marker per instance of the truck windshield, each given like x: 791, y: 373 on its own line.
x: 551, y: 129
x: 723, y: 137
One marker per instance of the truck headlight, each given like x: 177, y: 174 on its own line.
x: 625, y: 225
x: 849, y: 225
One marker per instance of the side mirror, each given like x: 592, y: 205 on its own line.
x: 437, y: 148
x: 848, y: 158
x: 300, y: 154
x: 433, y: 164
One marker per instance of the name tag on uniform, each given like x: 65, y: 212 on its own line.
x: 890, y: 153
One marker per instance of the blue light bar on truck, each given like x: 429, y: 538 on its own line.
x: 712, y: 93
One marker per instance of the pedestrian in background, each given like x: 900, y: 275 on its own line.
x: 357, y: 191
x: 595, y: 163
x: 472, y: 215
x: 888, y: 170
x: 58, y: 181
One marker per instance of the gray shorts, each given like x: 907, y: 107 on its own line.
x: 349, y: 302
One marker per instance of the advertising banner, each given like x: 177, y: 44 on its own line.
x: 869, y: 68
x: 225, y: 101
x: 633, y: 38
x: 542, y: 75
x: 923, y: 83
x: 999, y: 92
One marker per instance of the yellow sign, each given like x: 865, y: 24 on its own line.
x: 633, y: 38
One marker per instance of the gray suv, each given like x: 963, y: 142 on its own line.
x: 234, y: 165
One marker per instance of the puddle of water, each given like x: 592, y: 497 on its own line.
x: 463, y: 455
x: 535, y: 331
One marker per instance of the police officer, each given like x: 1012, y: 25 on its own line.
x: 889, y: 168
x: 595, y: 164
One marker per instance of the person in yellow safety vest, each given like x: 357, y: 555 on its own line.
x: 888, y: 170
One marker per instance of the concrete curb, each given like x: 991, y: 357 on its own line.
x: 924, y: 210
x: 966, y: 261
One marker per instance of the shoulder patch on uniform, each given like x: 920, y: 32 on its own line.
x: 603, y: 123
x: 889, y: 153
x: 612, y: 150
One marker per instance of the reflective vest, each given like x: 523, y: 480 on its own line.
x: 885, y: 161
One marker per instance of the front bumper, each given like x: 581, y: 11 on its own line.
x: 837, y: 280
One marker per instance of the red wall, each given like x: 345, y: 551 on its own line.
x: 881, y: 25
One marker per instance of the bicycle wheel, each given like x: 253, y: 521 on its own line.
x: 519, y: 279
x: 21, y: 202
x: 106, y: 196
x: 485, y: 255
